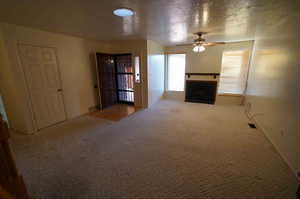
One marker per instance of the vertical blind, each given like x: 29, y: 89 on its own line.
x: 234, y: 72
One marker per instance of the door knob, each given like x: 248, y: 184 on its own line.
x: 59, y: 90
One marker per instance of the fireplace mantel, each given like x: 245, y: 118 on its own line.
x: 203, y: 74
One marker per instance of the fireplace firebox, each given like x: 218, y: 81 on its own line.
x: 200, y: 91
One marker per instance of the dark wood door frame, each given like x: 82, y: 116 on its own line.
x: 106, y: 80
x: 101, y: 84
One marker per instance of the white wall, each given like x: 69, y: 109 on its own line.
x: 274, y: 84
x: 8, y: 90
x: 76, y: 63
x: 77, y: 66
x: 209, y: 61
x: 156, y: 68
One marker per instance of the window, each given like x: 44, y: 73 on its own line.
x: 234, y: 72
x: 137, y: 69
x: 176, y: 71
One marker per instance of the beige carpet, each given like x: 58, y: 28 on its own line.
x: 115, y: 112
x: 174, y: 150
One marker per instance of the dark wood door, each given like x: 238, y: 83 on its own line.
x: 107, y: 79
x: 125, y: 78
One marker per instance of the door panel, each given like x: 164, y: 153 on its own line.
x: 107, y: 80
x: 51, y: 80
x: 35, y: 76
x: 125, y: 78
x: 42, y: 76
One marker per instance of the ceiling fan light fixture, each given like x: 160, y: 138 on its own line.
x: 123, y: 12
x: 199, y: 48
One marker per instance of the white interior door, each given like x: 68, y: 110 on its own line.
x: 43, y: 79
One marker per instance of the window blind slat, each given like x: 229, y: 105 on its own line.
x: 233, y: 72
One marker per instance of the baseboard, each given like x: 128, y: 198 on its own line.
x: 21, y: 132
x: 229, y: 99
x: 260, y: 127
x: 174, y: 95
x: 93, y: 108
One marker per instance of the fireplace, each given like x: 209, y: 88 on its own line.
x: 200, y: 91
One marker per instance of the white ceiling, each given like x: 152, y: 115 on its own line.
x: 165, y: 21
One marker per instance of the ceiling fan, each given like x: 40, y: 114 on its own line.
x: 200, y: 43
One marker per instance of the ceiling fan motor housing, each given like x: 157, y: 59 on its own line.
x: 200, y: 39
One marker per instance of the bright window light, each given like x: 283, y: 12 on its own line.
x: 176, y: 71
x: 123, y: 12
x: 233, y: 72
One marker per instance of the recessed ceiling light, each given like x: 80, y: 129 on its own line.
x: 123, y: 12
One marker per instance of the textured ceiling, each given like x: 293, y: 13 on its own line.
x: 165, y: 21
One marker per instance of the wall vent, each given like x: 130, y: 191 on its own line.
x: 252, y: 125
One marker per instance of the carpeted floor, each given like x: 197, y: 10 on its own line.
x: 174, y: 150
x: 115, y: 112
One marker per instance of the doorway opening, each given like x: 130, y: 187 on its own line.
x: 115, y: 76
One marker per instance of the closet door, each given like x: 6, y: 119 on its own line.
x: 44, y: 85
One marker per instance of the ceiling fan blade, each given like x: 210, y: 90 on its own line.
x: 212, y: 43
x: 221, y: 42
x: 185, y: 44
